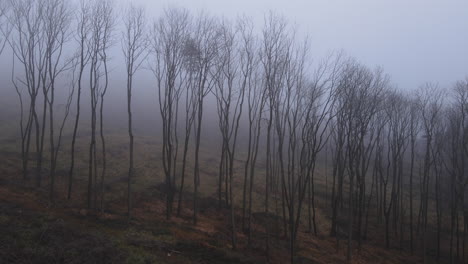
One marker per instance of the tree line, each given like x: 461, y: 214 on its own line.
x: 397, y: 157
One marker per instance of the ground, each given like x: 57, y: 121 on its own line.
x: 34, y: 231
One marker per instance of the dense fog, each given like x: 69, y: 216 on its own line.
x: 282, y: 121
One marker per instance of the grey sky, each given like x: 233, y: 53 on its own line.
x: 414, y: 40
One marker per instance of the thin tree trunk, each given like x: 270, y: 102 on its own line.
x: 130, y: 135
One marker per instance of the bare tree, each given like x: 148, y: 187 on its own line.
x: 377, y: 144
x: 399, y: 122
x: 455, y: 165
x: 27, y: 45
x: 461, y: 91
x: 430, y: 101
x: 225, y: 76
x: 191, y: 104
x: 360, y: 94
x: 107, y: 25
x: 82, y: 36
x: 168, y: 36
x: 256, y: 100
x: 414, y: 131
x: 455, y: 168
x: 439, y: 173
x: 72, y: 71
x: 307, y: 109
x: 201, y: 49
x: 274, y: 46
x: 100, y: 39
x: 5, y: 27
x: 56, y: 23
x: 40, y: 31
x: 231, y: 80
x: 320, y: 99
x: 134, y: 48
x: 95, y: 75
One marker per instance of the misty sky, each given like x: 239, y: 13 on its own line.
x: 414, y: 40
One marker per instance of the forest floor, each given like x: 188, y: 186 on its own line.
x: 32, y: 231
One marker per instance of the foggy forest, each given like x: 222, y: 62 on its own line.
x: 227, y: 141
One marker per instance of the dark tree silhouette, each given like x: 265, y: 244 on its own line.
x: 82, y: 37
x: 168, y: 36
x: 134, y: 47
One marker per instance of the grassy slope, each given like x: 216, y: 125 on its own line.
x: 34, y: 233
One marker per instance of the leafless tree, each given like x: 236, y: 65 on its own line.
x: 73, y: 83
x: 455, y: 168
x: 134, y: 48
x: 414, y: 132
x: 82, y: 38
x: 56, y: 23
x: 107, y: 25
x: 256, y: 100
x: 191, y: 105
x: 5, y: 26
x: 378, y: 126
x: 360, y: 95
x: 339, y: 160
x: 456, y: 157
x: 319, y: 101
x: 274, y: 47
x: 225, y: 76
x: 430, y: 101
x: 308, y: 114
x: 201, y: 49
x: 397, y: 140
x: 101, y: 24
x: 40, y: 31
x: 461, y: 95
x: 366, y: 150
x: 27, y: 45
x: 439, y: 173
x: 168, y: 36
x: 231, y: 81
x: 95, y: 75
